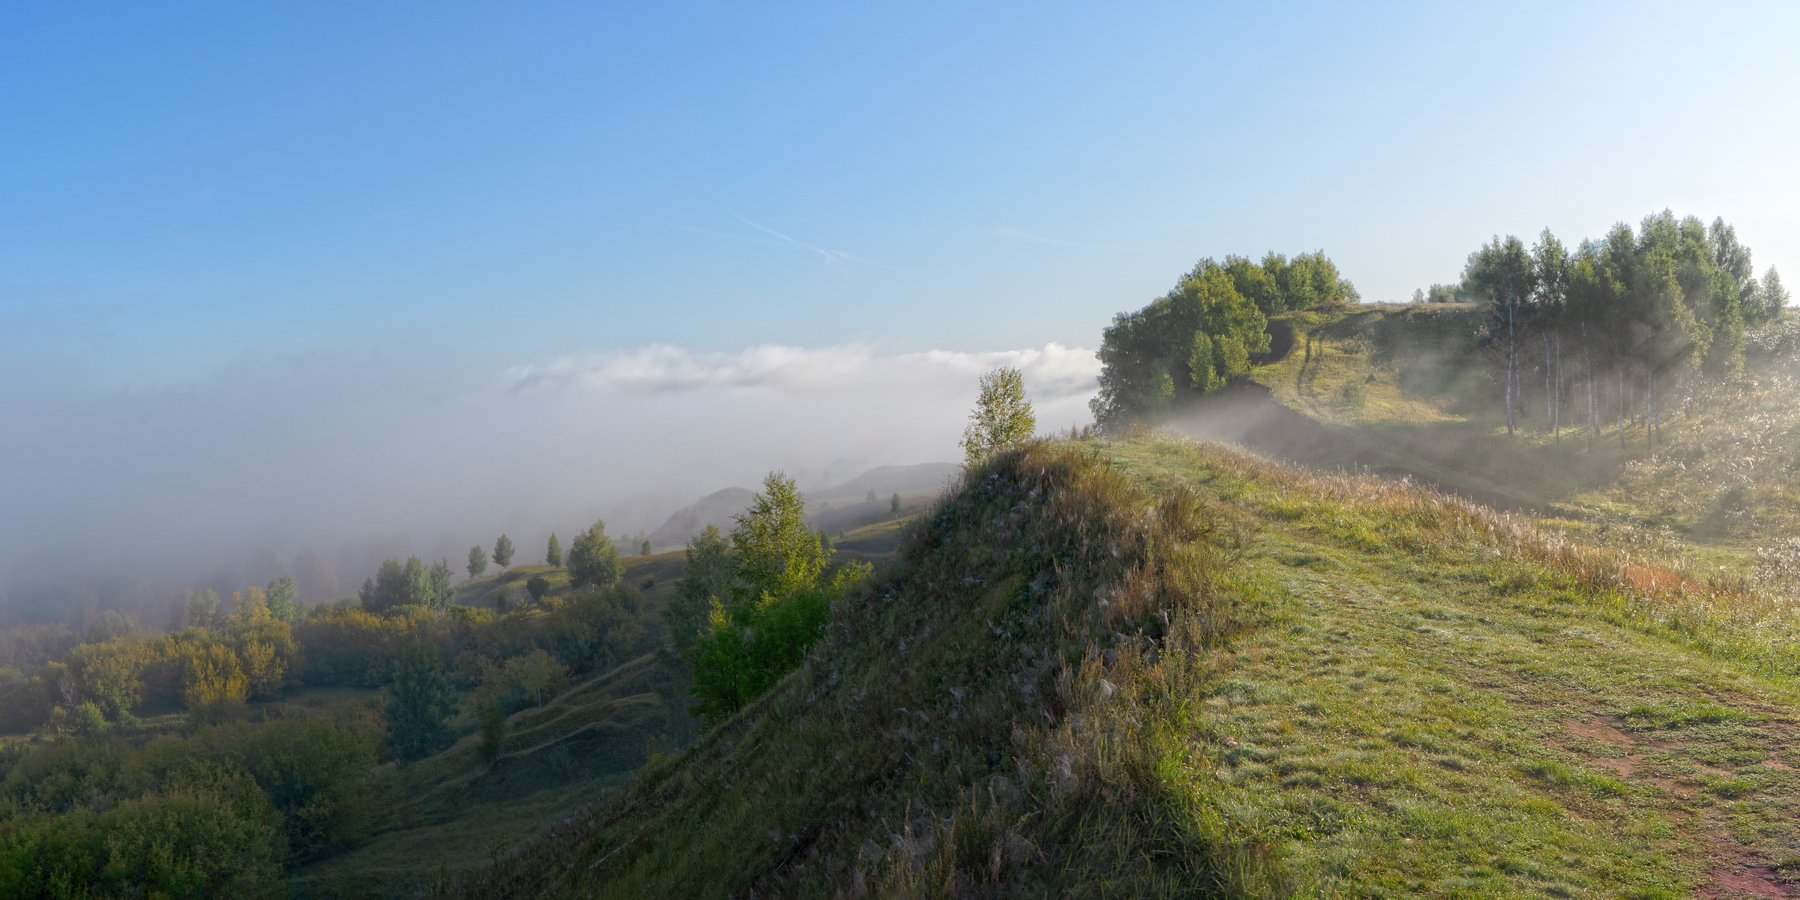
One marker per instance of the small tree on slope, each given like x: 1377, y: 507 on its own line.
x: 1002, y: 417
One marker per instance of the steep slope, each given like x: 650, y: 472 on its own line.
x: 1147, y: 669
x: 451, y: 812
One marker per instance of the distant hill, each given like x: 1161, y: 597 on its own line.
x: 716, y: 509
x: 887, y: 481
x: 835, y: 509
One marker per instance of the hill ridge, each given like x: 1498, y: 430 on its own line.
x: 1150, y: 668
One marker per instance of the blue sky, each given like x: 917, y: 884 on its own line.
x: 186, y: 187
x: 402, y: 267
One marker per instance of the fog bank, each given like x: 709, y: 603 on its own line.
x: 227, y: 480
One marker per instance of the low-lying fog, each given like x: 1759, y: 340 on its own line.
x: 322, y: 464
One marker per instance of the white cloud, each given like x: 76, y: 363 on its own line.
x: 1052, y: 372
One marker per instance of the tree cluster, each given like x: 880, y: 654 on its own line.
x: 1620, y: 324
x: 1206, y: 331
x: 412, y: 583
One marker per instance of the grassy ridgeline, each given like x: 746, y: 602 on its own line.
x: 1145, y: 668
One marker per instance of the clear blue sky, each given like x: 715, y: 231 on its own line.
x: 185, y: 187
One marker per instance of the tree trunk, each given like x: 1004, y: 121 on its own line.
x: 1512, y: 367
x: 1557, y: 342
x: 1587, y: 371
x: 1623, y: 400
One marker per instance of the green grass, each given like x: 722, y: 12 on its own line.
x: 1180, y: 670
x: 448, y: 814
x: 1402, y: 391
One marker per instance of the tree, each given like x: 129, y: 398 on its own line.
x: 418, y: 583
x: 645, y: 549
x: 1501, y: 272
x: 393, y: 585
x: 749, y: 608
x: 439, y: 594
x: 1774, y: 296
x: 553, y: 553
x: 538, y: 587
x: 894, y: 504
x: 1549, y: 304
x: 418, y: 701
x: 215, y: 682
x: 706, y: 581
x: 252, y: 607
x: 1418, y: 296
x: 1199, y: 337
x: 775, y: 553
x: 1002, y: 417
x: 593, y: 560
x: 110, y: 674
x: 503, y: 552
x: 493, y: 731
x: 477, y: 561
x: 284, y: 599
x: 202, y: 609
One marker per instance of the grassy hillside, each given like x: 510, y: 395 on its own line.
x: 1146, y: 668
x: 447, y: 814
x: 1403, y: 391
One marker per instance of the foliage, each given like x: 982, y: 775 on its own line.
x: 706, y: 580
x: 593, y: 560
x: 748, y: 608
x: 1199, y: 337
x: 202, y: 609
x: 418, y: 702
x: 1655, y: 313
x: 503, y: 552
x: 215, y: 683
x: 538, y: 587
x: 493, y: 732
x: 553, y: 555
x: 411, y: 583
x: 595, y: 628
x: 1002, y: 418
x: 740, y: 657
x: 774, y: 552
x: 284, y: 599
x: 477, y: 561
x: 526, y: 680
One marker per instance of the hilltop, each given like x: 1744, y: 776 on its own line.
x: 1146, y: 667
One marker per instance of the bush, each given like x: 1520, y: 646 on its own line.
x: 740, y: 658
x: 493, y: 732
x: 523, y: 681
